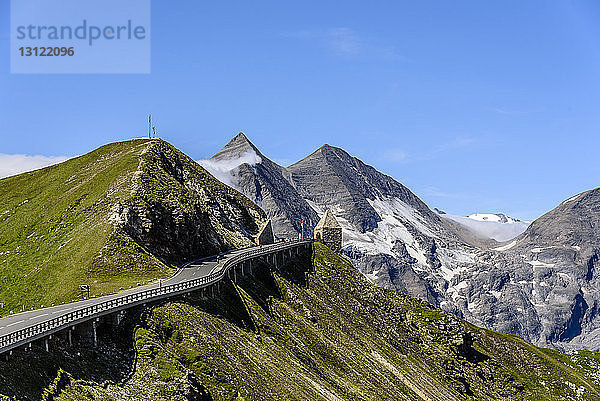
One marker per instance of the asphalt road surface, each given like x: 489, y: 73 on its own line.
x: 191, y: 271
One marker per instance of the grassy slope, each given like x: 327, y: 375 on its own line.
x: 54, y: 222
x: 55, y: 231
x: 333, y: 336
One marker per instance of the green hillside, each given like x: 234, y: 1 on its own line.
x: 314, y: 329
x: 317, y: 330
x: 124, y: 214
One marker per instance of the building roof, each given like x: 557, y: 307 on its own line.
x: 328, y: 221
x: 265, y: 229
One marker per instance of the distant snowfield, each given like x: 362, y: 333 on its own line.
x: 495, y: 226
x: 221, y: 169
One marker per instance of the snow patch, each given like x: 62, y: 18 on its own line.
x: 500, y: 217
x: 505, y: 247
x: 383, y: 238
x: 318, y: 208
x: 571, y: 199
x: 461, y: 285
x: 397, y: 209
x: 394, y: 215
x: 537, y: 263
x: 398, y: 222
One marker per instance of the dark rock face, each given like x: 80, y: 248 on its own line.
x: 575, y: 222
x: 330, y: 176
x: 542, y: 285
x: 265, y: 183
x: 560, y: 250
x: 195, y: 391
x: 393, y: 272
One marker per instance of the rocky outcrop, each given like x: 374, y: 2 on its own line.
x: 126, y: 213
x: 556, y: 259
x: 179, y: 212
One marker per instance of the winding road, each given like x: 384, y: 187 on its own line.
x: 22, y: 328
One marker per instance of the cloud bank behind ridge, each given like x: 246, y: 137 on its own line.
x: 17, y: 164
x: 221, y: 169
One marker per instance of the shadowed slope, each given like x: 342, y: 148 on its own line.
x: 315, y: 329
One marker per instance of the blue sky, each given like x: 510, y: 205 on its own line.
x: 475, y: 106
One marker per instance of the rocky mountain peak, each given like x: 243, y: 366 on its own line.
x: 236, y: 148
x: 241, y: 165
x: 331, y: 176
x: 329, y: 148
x: 332, y: 155
x: 574, y: 222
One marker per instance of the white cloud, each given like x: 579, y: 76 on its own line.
x: 395, y: 155
x: 516, y: 112
x: 16, y: 164
x: 343, y: 41
x: 221, y: 169
x: 459, y: 142
x: 284, y: 162
x: 346, y: 42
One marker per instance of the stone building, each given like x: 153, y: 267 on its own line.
x: 265, y: 235
x: 329, y: 231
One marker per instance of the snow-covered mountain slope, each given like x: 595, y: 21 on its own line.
x: 543, y: 285
x: 405, y: 251
x: 488, y: 225
x: 546, y: 281
x: 389, y: 233
x: 493, y: 217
